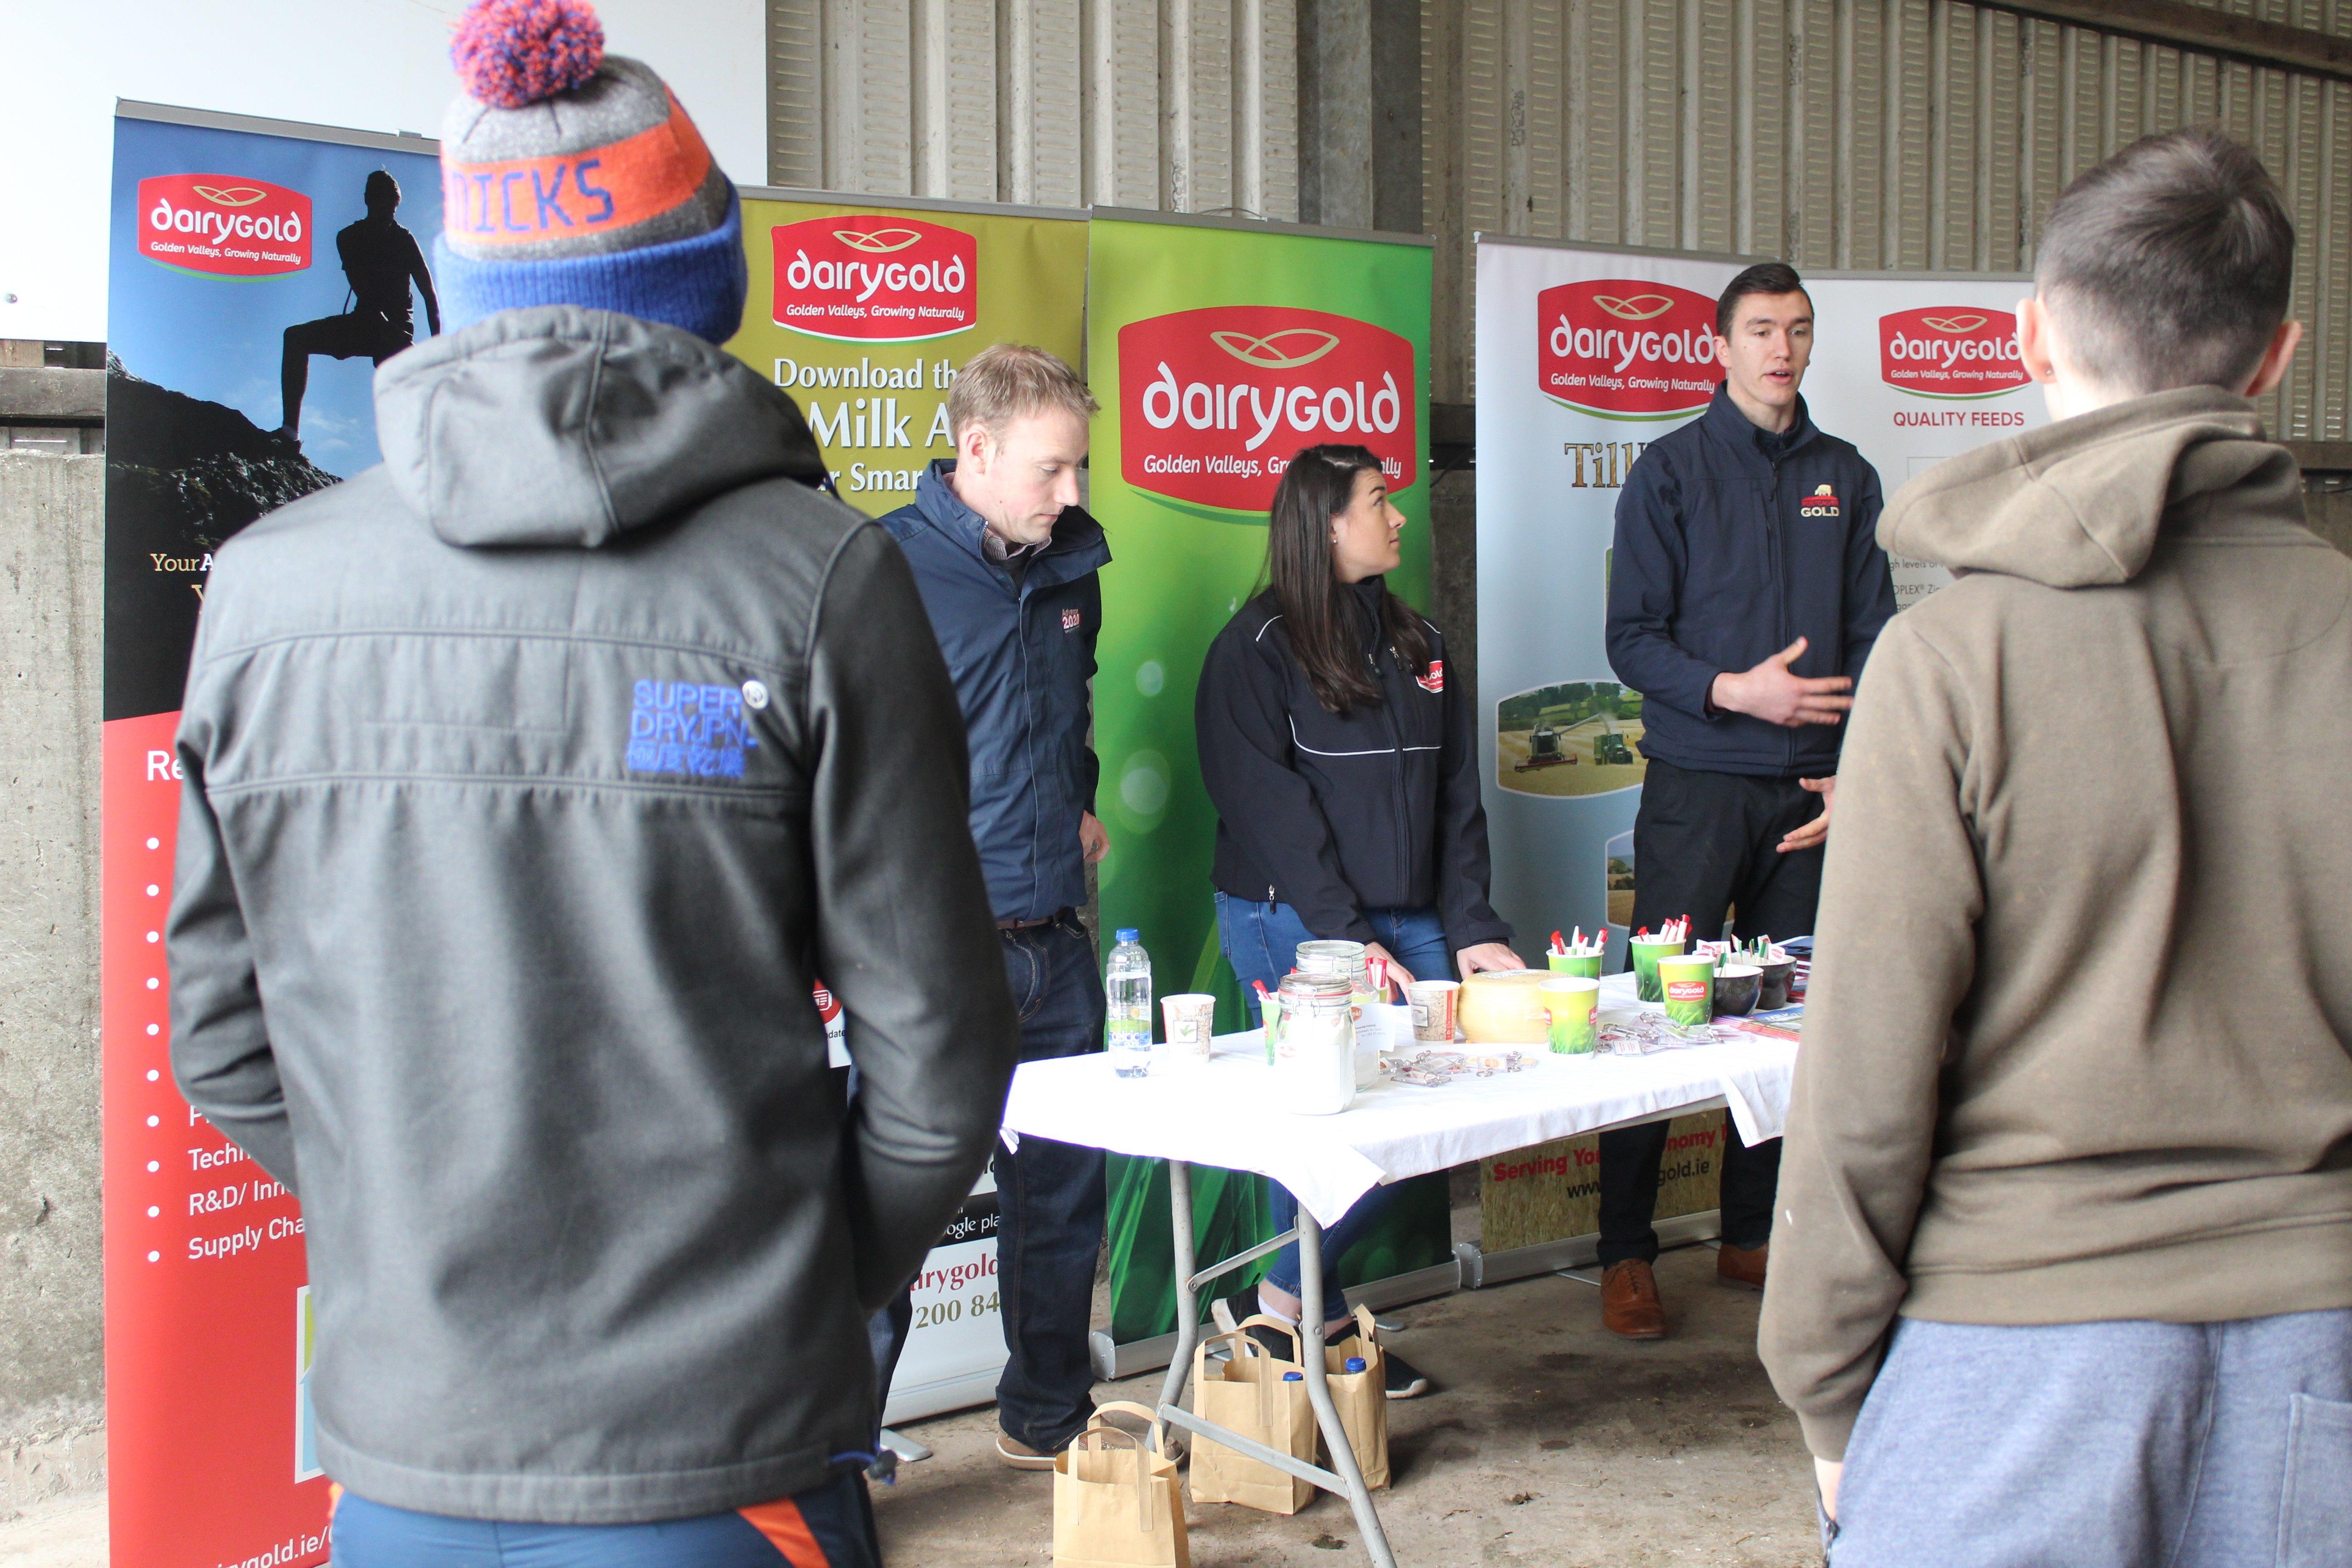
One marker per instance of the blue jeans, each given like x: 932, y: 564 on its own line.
x: 1261, y: 942
x: 827, y: 1526
x: 2103, y: 1445
x: 1049, y: 1211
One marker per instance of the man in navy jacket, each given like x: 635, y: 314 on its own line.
x: 1746, y: 590
x: 1006, y: 563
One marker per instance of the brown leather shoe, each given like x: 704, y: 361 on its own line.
x: 1741, y: 1268
x: 1016, y: 1455
x: 1629, y: 1301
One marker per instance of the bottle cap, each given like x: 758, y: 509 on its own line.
x: 1355, y: 1363
x: 1128, y: 933
x: 1292, y: 1377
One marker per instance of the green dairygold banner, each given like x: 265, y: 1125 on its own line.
x: 1217, y: 353
x: 865, y: 313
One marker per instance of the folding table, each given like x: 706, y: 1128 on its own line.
x: 1226, y: 1114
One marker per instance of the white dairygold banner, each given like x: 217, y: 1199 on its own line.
x: 955, y: 1349
x: 1914, y: 370
x: 1585, y: 356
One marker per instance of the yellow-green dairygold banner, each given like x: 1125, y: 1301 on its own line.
x: 1217, y: 350
x: 865, y: 314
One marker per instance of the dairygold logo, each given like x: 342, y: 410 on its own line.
x: 1260, y: 353
x: 1954, y: 323
x: 1634, y: 307
x: 878, y: 242
x: 231, y: 195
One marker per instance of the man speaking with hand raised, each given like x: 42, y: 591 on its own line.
x: 1745, y: 593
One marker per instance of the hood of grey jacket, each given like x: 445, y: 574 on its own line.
x: 2082, y: 502
x: 560, y: 426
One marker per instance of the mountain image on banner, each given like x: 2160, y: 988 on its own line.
x: 183, y: 475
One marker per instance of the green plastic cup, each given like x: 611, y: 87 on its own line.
x: 1647, y: 951
x: 1574, y: 1003
x: 1585, y: 967
x: 1689, y: 984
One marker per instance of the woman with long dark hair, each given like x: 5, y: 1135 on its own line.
x: 1341, y: 763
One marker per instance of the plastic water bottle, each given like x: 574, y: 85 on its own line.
x: 1129, y: 987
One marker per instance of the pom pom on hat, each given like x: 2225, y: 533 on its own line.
x: 511, y: 53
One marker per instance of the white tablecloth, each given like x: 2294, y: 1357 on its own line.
x: 1223, y: 1114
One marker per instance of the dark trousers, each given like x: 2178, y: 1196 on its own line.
x: 1049, y: 1211
x: 1050, y: 1224
x: 1704, y: 843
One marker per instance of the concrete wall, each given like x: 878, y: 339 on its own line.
x: 51, y: 1371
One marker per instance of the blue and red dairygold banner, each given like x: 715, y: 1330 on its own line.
x: 234, y: 257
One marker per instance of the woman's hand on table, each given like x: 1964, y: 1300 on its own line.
x: 1398, y: 976
x: 1487, y: 955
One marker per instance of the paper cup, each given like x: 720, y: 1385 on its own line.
x: 1647, y: 951
x: 1773, y: 993
x: 1585, y: 966
x: 1574, y: 1003
x: 1433, y: 1006
x: 1192, y: 1020
x: 1688, y: 986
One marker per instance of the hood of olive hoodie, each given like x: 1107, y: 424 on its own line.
x: 2082, y: 502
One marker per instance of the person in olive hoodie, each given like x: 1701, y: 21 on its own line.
x: 532, y: 776
x: 2063, y: 1269
x: 1342, y: 762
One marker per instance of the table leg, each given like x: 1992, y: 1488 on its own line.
x: 1188, y: 1305
x: 1318, y: 1390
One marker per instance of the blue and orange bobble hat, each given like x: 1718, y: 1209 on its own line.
x: 569, y: 176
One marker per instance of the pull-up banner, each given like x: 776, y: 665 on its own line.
x: 1218, y: 350
x: 250, y: 289
x: 1585, y: 357
x: 865, y: 315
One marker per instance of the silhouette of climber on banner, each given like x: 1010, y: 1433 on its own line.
x: 380, y: 258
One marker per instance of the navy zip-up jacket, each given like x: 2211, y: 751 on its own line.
x: 1020, y: 646
x: 1337, y: 814
x: 1727, y: 553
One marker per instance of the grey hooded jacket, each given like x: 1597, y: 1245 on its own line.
x: 531, y: 778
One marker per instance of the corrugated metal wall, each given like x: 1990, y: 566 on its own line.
x: 1850, y: 133
x: 1178, y: 105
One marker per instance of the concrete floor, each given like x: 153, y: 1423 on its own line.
x: 1552, y: 1442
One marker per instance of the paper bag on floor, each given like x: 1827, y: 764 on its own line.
x: 1362, y: 1398
x: 1248, y: 1395
x: 1115, y: 1503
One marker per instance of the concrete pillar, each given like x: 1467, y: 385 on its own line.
x: 51, y: 1374
x: 1359, y: 114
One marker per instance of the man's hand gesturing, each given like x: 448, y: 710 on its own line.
x: 1771, y: 693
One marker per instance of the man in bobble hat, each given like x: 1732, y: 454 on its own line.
x: 532, y: 776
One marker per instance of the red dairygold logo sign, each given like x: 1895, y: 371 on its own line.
x: 1435, y: 681
x: 1214, y: 402
x: 1685, y: 990
x: 1951, y: 351
x: 876, y: 279
x: 224, y: 224
x: 1626, y: 349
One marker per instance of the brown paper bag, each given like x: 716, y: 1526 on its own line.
x: 1115, y: 1503
x: 1362, y: 1398
x: 1248, y: 1395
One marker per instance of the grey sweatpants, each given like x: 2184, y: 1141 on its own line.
x: 2121, y: 1444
